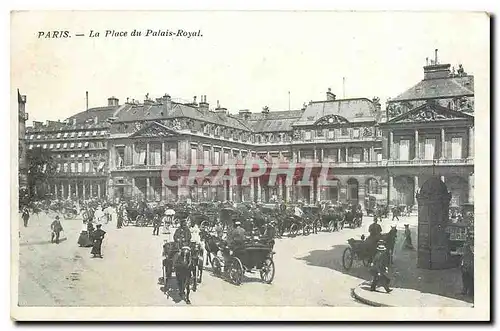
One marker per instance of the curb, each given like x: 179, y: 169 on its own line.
x: 366, y: 301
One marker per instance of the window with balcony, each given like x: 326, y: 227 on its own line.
x: 404, y: 150
x: 172, y: 156
x: 429, y: 149
x: 194, y: 156
x: 206, y: 156
x: 307, y: 135
x: 120, y: 156
x: 456, y: 148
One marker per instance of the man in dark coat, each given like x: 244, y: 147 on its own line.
x: 26, y: 216
x: 182, y: 235
x: 156, y: 225
x: 97, y: 238
x: 56, y: 228
x: 380, y: 268
x: 467, y: 269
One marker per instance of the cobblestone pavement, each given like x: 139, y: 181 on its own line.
x: 308, y: 271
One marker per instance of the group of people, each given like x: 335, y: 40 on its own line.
x: 91, y: 236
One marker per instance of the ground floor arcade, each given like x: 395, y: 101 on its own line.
x: 78, y: 188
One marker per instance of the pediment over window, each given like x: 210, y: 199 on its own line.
x: 430, y: 112
x: 153, y: 130
x: 331, y: 120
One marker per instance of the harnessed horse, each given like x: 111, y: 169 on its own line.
x: 183, y: 273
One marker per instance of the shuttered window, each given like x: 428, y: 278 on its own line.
x: 456, y: 148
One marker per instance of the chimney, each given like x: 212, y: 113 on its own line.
x: 96, y: 120
x: 245, y: 113
x: 203, y: 103
x: 194, y: 101
x: 435, y: 71
x: 113, y: 101
x: 220, y: 109
x: 37, y: 125
x: 265, y: 110
x: 86, y: 100
x: 329, y: 95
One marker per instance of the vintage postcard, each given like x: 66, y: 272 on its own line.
x: 250, y: 165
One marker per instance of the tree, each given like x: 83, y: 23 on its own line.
x: 41, y: 167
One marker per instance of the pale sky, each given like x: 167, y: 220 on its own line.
x: 246, y: 60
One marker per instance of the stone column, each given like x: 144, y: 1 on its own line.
x: 471, y: 188
x: 298, y: 156
x: 280, y: 188
x: 62, y: 191
x: 55, y: 191
x: 90, y: 187
x: 252, y: 189
x: 415, y: 190
x: 315, y: 155
x: 133, y: 187
x: 259, y: 190
x: 148, y: 156
x: 163, y: 154
x: 69, y: 190
x: 389, y: 190
x: 212, y: 155
x: 417, y: 152
x: 361, y: 193
x: 443, y: 144
x: 99, y: 190
x: 294, y: 156
x: 76, y: 189
x: 311, y: 191
x: 389, y: 147
x: 148, y: 187
x: 371, y: 156
x: 471, y: 142
x: 338, y: 155
x: 322, y: 155
x: 230, y: 191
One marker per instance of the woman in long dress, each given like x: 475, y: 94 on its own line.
x: 84, y: 239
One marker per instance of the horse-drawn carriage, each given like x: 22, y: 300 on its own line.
x: 253, y: 255
x: 364, y: 250
x: 332, y: 218
x: 69, y: 210
x: 186, y: 262
x: 353, y: 218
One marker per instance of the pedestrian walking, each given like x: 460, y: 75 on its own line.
x: 56, y: 229
x: 97, y: 238
x: 467, y: 270
x: 379, y: 268
x: 25, y: 216
x: 407, y: 243
x: 156, y: 225
x: 396, y: 213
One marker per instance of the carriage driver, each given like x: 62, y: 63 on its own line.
x: 182, y: 235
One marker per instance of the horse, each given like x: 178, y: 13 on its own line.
x: 183, y: 273
x: 197, y: 266
x: 390, y: 241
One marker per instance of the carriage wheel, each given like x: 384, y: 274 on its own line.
x: 347, y: 258
x: 216, y: 266
x: 318, y: 225
x: 331, y: 226
x: 267, y: 270
x: 293, y: 230
x: 306, y: 230
x: 236, y: 271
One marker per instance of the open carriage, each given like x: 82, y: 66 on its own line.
x: 253, y: 255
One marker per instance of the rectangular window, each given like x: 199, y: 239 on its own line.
x: 206, y: 156
x: 51, y: 146
x: 73, y: 168
x: 344, y: 132
x: 379, y: 157
x: 194, y: 159
x: 94, y: 133
x: 355, y: 133
x: 72, y: 145
x: 404, y: 150
x: 120, y: 156
x: 86, y: 144
x: 331, y: 134
x: 217, y: 157
x: 44, y: 146
x: 87, y: 166
x: 87, y: 133
x: 307, y: 135
x: 226, y: 157
x: 319, y: 133
x: 65, y: 145
x: 430, y: 147
x: 80, y: 167
x: 172, y: 156
x: 73, y: 134
x: 80, y: 134
x: 65, y: 135
x: 58, y: 167
x: 456, y: 148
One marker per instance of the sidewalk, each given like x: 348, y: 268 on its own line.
x: 402, y: 297
x: 414, y: 287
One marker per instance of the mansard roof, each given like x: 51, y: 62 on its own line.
x: 275, y: 121
x: 353, y: 110
x: 452, y: 86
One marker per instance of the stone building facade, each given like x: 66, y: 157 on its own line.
x: 124, y: 150
x: 22, y: 118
